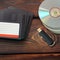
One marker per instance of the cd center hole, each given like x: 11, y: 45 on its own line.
x: 55, y: 12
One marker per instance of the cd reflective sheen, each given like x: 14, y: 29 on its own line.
x: 49, y: 13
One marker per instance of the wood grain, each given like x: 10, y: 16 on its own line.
x: 30, y: 57
x: 28, y: 5
x: 33, y: 43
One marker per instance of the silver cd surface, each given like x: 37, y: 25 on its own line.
x: 49, y: 13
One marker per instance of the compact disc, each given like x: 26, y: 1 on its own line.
x: 49, y: 13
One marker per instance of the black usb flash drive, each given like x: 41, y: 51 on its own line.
x: 46, y: 37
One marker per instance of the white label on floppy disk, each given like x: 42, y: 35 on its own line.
x: 9, y: 30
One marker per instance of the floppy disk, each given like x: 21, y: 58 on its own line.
x: 14, y: 23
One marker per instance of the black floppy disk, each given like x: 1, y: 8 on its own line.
x: 14, y: 23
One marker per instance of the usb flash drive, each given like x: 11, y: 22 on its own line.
x: 46, y: 37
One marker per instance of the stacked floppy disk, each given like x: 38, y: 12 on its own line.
x: 49, y: 13
x: 14, y: 23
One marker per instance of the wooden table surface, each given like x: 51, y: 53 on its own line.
x: 37, y: 44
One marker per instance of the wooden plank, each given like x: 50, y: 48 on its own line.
x: 40, y: 45
x: 30, y: 57
x: 29, y: 5
x: 33, y: 43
